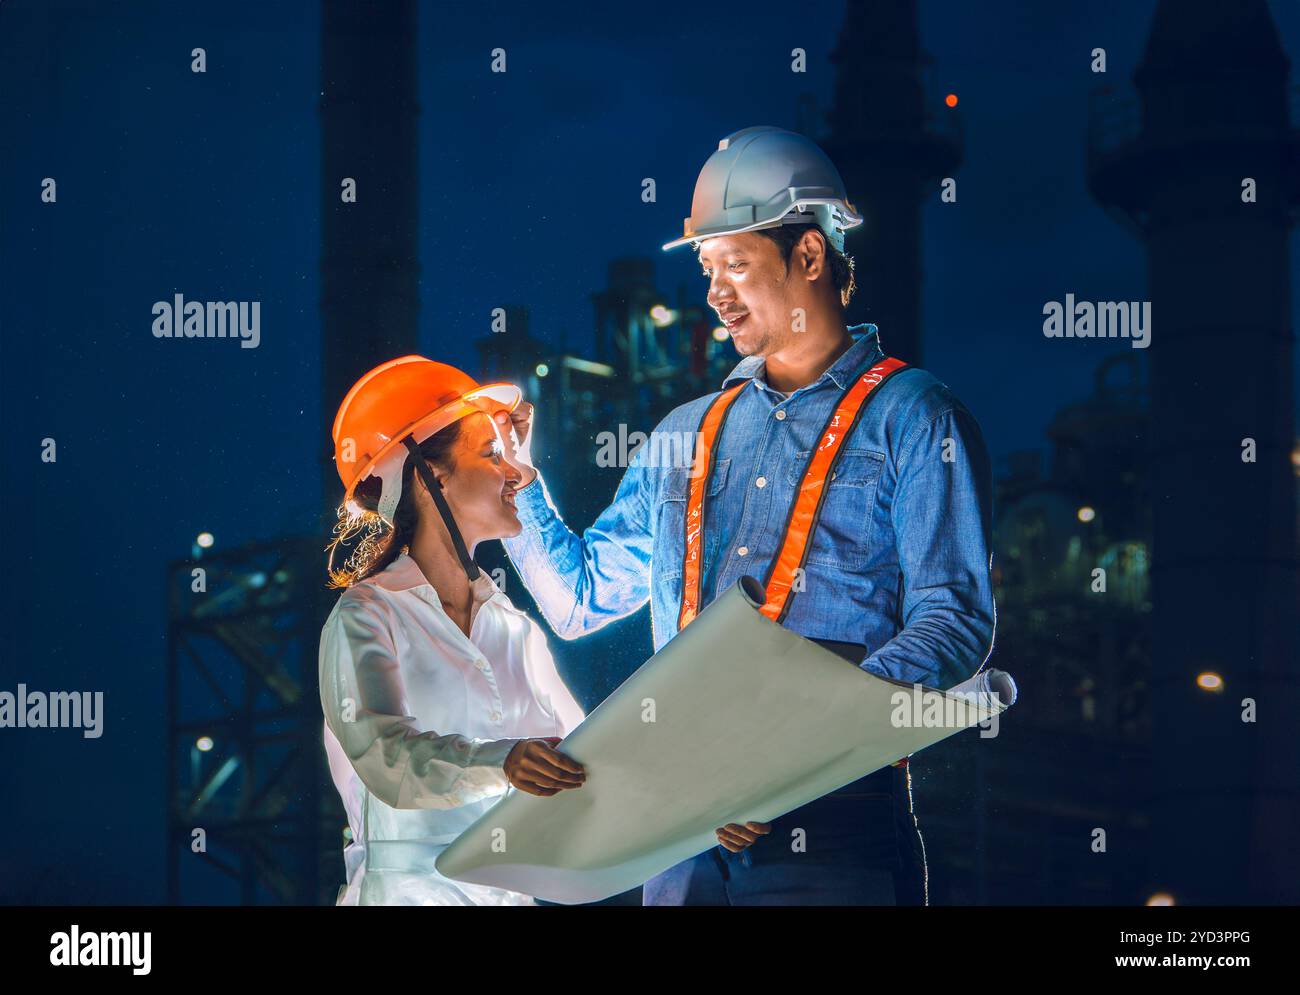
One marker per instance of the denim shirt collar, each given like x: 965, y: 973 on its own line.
x: 866, y: 343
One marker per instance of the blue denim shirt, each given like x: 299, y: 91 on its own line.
x: 900, y: 560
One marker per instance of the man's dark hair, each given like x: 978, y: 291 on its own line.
x: 787, y: 237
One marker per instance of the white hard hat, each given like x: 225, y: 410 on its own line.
x: 763, y: 177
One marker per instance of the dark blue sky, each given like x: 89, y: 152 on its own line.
x: 208, y: 185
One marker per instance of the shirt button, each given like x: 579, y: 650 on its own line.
x: 481, y: 664
x: 496, y: 716
x: 743, y: 551
x: 780, y: 415
x: 760, y: 482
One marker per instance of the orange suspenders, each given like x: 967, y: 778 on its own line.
x: 701, y: 470
x: 806, y: 509
x: 804, y: 512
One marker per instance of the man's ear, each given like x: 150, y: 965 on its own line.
x: 811, y: 254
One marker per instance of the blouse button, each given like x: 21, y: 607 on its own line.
x: 496, y: 716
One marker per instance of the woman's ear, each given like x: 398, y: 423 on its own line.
x: 422, y: 495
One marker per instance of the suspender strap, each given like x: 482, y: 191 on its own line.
x: 801, y: 522
x: 811, y: 495
x: 701, y: 470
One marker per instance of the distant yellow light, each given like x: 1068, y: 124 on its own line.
x: 1161, y: 898
x: 662, y: 316
x: 542, y: 369
x: 204, y: 743
x: 1086, y: 514
x: 720, y: 334
x: 1209, y: 681
x: 205, y: 540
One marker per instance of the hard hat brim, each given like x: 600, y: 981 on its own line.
x: 504, y: 395
x: 851, y: 220
x: 706, y: 233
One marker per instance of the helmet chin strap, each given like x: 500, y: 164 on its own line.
x: 435, y: 492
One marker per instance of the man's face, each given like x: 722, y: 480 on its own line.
x: 750, y: 288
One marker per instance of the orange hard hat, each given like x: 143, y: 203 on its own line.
x: 406, y: 397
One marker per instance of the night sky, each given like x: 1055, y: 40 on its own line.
x: 208, y: 185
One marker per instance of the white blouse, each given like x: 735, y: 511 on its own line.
x: 418, y: 721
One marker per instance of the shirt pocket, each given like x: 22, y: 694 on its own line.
x: 671, y: 524
x: 843, y: 535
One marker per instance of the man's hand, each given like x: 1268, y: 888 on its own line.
x: 736, y: 837
x: 516, y: 430
x: 536, y: 767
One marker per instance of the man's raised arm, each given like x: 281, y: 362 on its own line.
x: 580, y: 583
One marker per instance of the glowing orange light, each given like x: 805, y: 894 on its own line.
x: 1209, y: 681
x: 951, y: 100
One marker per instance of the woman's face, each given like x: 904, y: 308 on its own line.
x: 480, y: 489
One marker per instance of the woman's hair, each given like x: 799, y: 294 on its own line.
x: 379, y: 544
x: 787, y: 237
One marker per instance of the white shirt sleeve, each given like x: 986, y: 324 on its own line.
x: 365, y: 706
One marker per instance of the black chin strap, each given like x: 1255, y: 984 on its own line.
x: 435, y: 492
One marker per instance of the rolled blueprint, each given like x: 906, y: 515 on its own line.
x: 736, y: 719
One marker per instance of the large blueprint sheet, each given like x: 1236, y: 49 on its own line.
x: 736, y: 719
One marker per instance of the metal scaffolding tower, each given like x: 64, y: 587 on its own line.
x: 249, y: 796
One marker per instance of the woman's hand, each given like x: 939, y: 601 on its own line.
x: 516, y: 431
x: 736, y: 837
x: 536, y: 767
